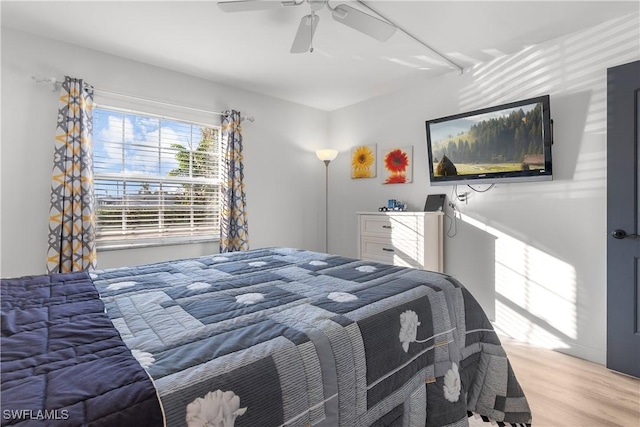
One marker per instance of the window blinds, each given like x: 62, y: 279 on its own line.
x: 156, y: 179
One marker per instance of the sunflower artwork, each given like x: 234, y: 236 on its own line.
x: 363, y: 161
x: 398, y: 165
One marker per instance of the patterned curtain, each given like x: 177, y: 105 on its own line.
x: 234, y: 233
x: 72, y: 216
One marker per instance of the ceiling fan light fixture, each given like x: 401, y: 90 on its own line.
x: 316, y: 5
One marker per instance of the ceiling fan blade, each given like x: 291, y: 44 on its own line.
x: 251, y: 5
x: 304, y: 36
x: 363, y: 22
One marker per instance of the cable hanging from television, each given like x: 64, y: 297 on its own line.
x: 481, y: 191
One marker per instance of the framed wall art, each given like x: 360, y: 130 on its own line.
x: 398, y: 165
x: 363, y: 161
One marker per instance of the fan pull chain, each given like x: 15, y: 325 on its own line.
x: 313, y: 15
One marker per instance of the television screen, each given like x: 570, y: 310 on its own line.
x: 505, y: 143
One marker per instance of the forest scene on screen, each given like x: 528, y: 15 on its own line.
x: 501, y: 141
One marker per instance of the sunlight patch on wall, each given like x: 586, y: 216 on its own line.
x: 536, y: 293
x: 574, y: 62
x: 510, y: 323
x: 536, y: 282
x: 519, y: 76
x: 604, y: 44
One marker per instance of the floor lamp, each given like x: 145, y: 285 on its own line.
x: 326, y: 156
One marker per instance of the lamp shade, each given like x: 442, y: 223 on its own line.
x: 327, y: 155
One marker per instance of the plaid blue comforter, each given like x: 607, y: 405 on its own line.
x: 276, y: 337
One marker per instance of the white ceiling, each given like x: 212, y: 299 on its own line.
x: 250, y: 50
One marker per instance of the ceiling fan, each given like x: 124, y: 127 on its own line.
x: 367, y: 24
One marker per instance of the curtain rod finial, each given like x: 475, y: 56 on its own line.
x: 51, y: 80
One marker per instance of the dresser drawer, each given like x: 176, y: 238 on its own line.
x: 386, y: 226
x: 408, y: 239
x: 406, y: 252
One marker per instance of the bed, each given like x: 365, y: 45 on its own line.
x: 267, y: 337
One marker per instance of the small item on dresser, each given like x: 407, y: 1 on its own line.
x: 393, y: 205
x: 435, y: 203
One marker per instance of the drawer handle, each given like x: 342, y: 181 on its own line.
x: 387, y: 249
x: 387, y: 226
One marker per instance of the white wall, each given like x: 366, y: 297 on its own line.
x: 533, y: 254
x: 284, y: 179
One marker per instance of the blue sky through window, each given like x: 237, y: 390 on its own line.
x: 131, y: 144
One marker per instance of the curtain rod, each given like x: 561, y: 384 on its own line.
x: 54, y: 82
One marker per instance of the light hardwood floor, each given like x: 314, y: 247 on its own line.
x: 567, y: 391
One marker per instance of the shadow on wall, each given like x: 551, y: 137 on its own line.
x: 473, y: 263
x: 529, y: 304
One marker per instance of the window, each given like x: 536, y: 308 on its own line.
x: 156, y: 179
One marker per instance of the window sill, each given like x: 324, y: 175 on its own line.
x: 116, y: 246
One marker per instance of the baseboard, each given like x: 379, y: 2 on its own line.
x: 562, y: 346
x: 583, y: 352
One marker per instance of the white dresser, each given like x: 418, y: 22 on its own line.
x: 409, y: 239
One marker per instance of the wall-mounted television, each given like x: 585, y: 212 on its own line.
x: 505, y: 143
